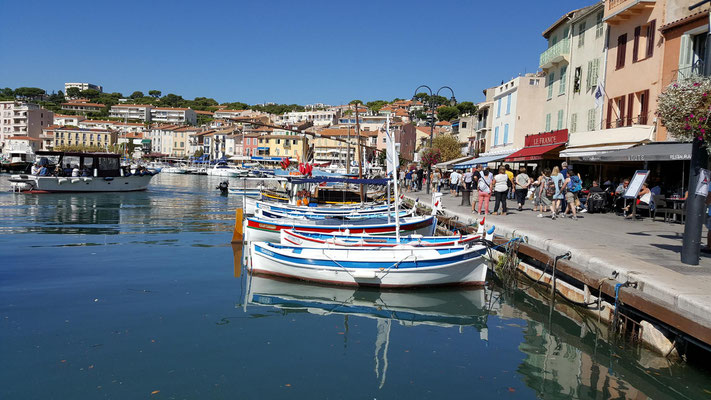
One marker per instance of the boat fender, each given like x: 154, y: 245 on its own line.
x: 62, y: 180
x: 490, y: 233
x: 87, y: 179
x: 364, y: 274
x: 75, y: 180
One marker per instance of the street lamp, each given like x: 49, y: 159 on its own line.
x: 452, y: 102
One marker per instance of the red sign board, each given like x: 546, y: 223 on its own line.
x: 547, y: 138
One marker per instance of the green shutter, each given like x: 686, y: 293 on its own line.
x: 559, y: 124
x: 548, y: 122
x: 563, y: 77
x: 573, y: 122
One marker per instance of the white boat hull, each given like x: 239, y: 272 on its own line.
x: 44, y: 184
x: 467, y: 267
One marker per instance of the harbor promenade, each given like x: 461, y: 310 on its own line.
x: 643, y: 251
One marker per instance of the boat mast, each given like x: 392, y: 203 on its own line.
x: 392, y: 165
x: 360, y: 163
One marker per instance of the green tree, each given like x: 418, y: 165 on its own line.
x: 56, y: 98
x: 375, y: 105
x: 29, y: 92
x: 447, y: 113
x: 238, y: 105
x: 355, y: 102
x: 73, y: 92
x: 90, y: 93
x: 154, y: 93
x: 7, y: 93
x: 137, y: 94
x: 171, y: 100
x: 467, y: 107
x: 448, y: 145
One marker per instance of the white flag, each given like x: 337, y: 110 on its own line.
x: 599, y: 95
x: 392, y: 159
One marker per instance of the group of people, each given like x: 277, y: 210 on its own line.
x: 44, y: 169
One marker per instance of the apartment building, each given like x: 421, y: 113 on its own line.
x: 82, y: 86
x: 171, y: 139
x: 173, y: 115
x: 405, y: 134
x: 484, y: 123
x: 24, y: 145
x: 83, y: 107
x: 72, y: 120
x: 634, y: 63
x: 22, y: 119
x: 517, y: 111
x: 328, y: 150
x: 587, y: 60
x: 226, y: 114
x: 132, y: 112
x: 81, y: 137
x: 318, y: 118
x: 684, y: 34
x: 555, y: 63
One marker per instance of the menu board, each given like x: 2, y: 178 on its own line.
x: 636, y: 183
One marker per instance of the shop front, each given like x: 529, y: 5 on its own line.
x: 541, y: 150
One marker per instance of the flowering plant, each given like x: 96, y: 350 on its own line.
x: 685, y: 108
x: 430, y: 157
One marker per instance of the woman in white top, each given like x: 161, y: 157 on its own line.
x: 484, y: 187
x: 501, y: 189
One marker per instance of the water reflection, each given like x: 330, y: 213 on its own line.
x: 442, y: 308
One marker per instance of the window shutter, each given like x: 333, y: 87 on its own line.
x: 563, y: 78
x: 548, y: 122
x: 573, y: 122
x: 685, y: 54
x: 630, y: 110
x: 588, y: 81
x: 650, y: 37
x: 591, y: 119
x: 621, y: 51
x: 635, y: 48
x: 608, y: 124
x: 596, y: 72
x: 559, y: 124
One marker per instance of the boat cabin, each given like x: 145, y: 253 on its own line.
x: 97, y: 164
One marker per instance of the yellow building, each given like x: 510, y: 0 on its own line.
x: 81, y: 137
x: 292, y: 146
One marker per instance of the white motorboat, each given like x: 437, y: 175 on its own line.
x: 224, y: 170
x: 87, y: 172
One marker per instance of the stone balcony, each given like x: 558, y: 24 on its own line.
x: 556, y: 54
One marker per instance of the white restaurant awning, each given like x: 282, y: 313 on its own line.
x: 589, y: 146
x: 447, y: 164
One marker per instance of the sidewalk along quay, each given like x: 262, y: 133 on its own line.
x: 615, y: 249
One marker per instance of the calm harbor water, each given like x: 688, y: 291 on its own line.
x: 138, y: 295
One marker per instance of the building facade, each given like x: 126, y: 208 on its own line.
x: 173, y: 115
x: 517, y: 111
x: 82, y: 107
x: 587, y: 60
x: 82, y: 86
x: 81, y: 137
x: 634, y: 63
x: 132, y: 112
x: 22, y: 119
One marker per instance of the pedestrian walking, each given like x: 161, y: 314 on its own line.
x: 546, y: 192
x: 510, y: 175
x: 523, y: 182
x: 573, y: 185
x: 408, y: 180
x: 557, y: 179
x: 420, y: 176
x: 436, y: 179
x: 468, y: 179
x: 484, y: 189
x: 501, y: 189
x: 454, y: 183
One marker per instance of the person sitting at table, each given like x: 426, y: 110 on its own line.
x: 643, y: 197
x: 619, y: 201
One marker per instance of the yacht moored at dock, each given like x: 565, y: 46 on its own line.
x: 58, y: 171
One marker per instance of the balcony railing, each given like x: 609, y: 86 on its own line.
x: 695, y: 70
x: 555, y: 53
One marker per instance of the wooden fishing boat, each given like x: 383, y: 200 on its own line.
x: 312, y: 239
x: 251, y: 205
x: 396, y: 267
x: 343, y: 216
x: 267, y: 229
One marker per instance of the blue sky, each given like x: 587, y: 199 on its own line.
x: 281, y: 51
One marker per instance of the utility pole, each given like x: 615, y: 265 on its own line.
x: 695, y: 203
